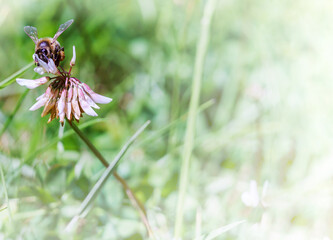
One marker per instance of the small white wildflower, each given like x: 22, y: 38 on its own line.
x: 251, y: 198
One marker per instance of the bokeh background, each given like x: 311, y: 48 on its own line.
x: 265, y: 120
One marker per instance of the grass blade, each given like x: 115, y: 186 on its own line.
x: 11, y: 117
x: 5, y: 192
x: 101, y: 181
x: 3, y: 209
x: 13, y: 77
x: 190, y: 126
x: 214, y: 234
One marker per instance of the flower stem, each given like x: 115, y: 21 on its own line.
x: 134, y: 200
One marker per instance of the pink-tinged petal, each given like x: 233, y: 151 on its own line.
x: 42, y: 63
x: 48, y: 91
x: 89, y: 100
x: 72, y: 63
x: 100, y: 99
x: 40, y: 103
x: 31, y: 84
x: 41, y: 96
x: 68, y: 110
x: 62, y: 106
x: 62, y: 117
x: 52, y: 67
x: 61, y: 103
x: 77, y: 117
x: 39, y: 70
x: 70, y: 93
x: 84, y: 104
x: 97, y: 98
x: 87, y: 88
x: 75, y: 104
x: 69, y: 102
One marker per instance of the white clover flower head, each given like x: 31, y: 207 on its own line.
x: 66, y: 96
x: 251, y: 198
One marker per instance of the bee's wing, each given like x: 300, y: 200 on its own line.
x: 62, y: 28
x: 32, y: 33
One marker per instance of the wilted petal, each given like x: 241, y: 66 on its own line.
x: 61, y: 106
x: 31, y: 84
x: 72, y: 63
x: 84, y: 104
x: 75, y: 104
x: 53, y: 114
x: 50, y: 103
x: 48, y: 106
x: 97, y: 98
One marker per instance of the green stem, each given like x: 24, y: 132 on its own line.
x: 134, y: 200
x: 190, y: 126
x: 89, y: 144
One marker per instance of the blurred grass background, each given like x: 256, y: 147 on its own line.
x: 268, y: 70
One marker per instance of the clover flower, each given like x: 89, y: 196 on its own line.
x: 66, y: 96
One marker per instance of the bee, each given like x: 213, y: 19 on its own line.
x: 48, y: 48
